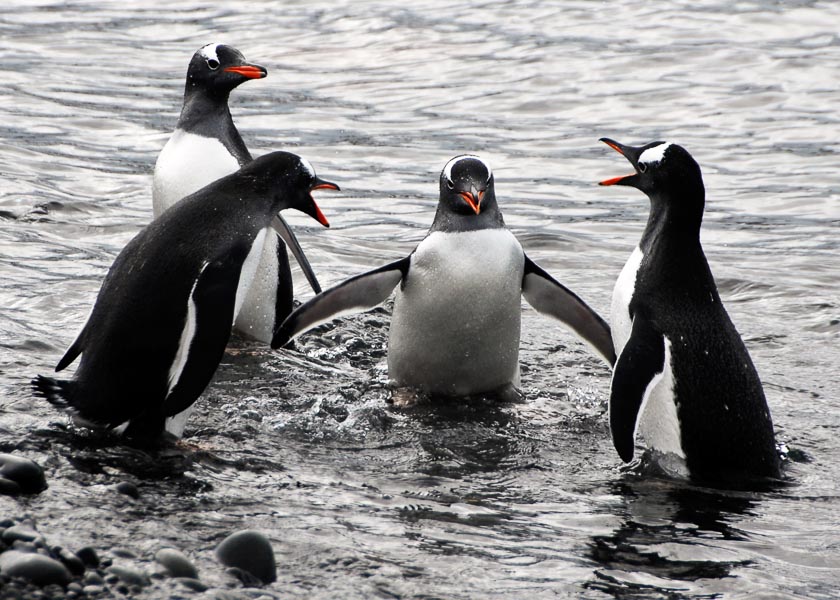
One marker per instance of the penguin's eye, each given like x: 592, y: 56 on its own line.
x: 213, y: 64
x: 642, y: 167
x: 450, y: 184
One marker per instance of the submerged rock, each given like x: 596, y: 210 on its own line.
x: 129, y: 489
x: 37, y: 568
x: 176, y: 563
x: 20, y: 475
x: 249, y: 551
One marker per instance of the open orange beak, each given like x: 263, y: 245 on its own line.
x: 317, y: 214
x: 627, y: 152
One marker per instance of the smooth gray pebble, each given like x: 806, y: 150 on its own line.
x: 249, y: 551
x: 37, y: 568
x: 176, y: 563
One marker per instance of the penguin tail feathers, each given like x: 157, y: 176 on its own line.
x: 58, y: 393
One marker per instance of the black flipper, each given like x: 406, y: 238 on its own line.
x: 284, y: 301
x: 550, y: 297
x: 641, y: 361
x: 213, y: 298
x: 357, y: 294
x: 73, y: 352
x: 287, y: 235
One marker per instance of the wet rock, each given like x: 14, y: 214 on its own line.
x: 37, y: 568
x: 128, y: 488
x: 93, y: 590
x: 226, y: 595
x: 250, y: 551
x: 20, y: 532
x: 191, y: 584
x: 73, y: 563
x: 129, y: 576
x: 93, y: 578
x: 88, y: 556
x: 9, y: 487
x: 176, y: 563
x: 74, y: 586
x: 24, y: 546
x: 244, y: 577
x: 26, y: 474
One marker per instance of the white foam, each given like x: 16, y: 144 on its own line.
x: 210, y: 51
x: 655, y: 154
x: 447, y: 170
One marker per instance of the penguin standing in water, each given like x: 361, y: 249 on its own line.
x: 457, y: 316
x: 684, y: 380
x: 163, y: 316
x: 205, y: 146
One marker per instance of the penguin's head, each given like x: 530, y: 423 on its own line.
x: 663, y: 170
x: 289, y: 180
x: 466, y: 185
x: 216, y: 69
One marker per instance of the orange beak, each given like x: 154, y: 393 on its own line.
x: 249, y: 71
x: 473, y: 198
x: 322, y: 185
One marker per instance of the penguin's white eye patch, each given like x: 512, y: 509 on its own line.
x: 213, y: 64
x: 654, y: 154
x: 447, y: 170
x: 210, y: 52
x: 307, y: 167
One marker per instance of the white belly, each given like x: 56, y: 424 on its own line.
x: 456, y: 322
x: 659, y: 426
x: 256, y: 295
x: 186, y: 164
x: 620, y: 323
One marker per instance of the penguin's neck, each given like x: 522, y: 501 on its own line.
x: 449, y: 221
x: 671, y: 246
x: 673, y: 224
x: 209, y: 116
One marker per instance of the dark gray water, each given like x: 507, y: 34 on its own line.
x: 361, y: 499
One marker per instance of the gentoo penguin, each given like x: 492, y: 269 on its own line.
x: 205, y: 146
x: 163, y: 316
x: 684, y: 380
x: 456, y: 320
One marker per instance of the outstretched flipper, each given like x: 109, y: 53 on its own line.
x: 357, y: 294
x: 639, y: 368
x: 550, y: 297
x: 288, y: 236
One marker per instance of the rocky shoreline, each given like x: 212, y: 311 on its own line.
x: 32, y: 568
